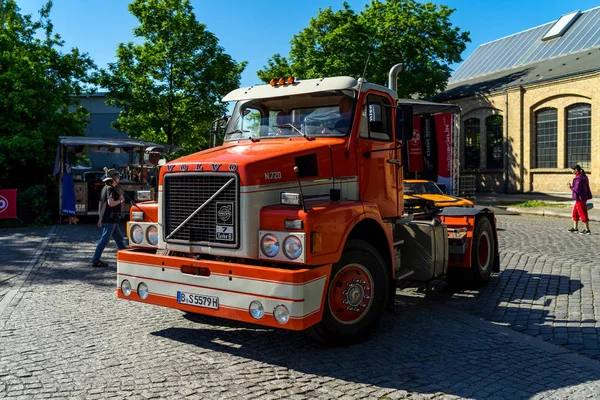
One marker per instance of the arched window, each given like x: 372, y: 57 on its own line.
x: 472, y: 143
x: 579, y: 135
x: 546, y: 134
x: 493, y: 132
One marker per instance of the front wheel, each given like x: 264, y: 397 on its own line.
x: 357, y: 294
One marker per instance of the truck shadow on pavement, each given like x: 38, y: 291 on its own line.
x: 549, y: 307
x: 424, y: 347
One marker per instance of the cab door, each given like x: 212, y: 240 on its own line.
x: 378, y: 164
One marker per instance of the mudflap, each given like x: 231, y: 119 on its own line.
x: 466, y: 218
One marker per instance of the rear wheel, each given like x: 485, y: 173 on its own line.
x: 482, y: 251
x: 356, y: 297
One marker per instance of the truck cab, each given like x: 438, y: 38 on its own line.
x: 297, y: 220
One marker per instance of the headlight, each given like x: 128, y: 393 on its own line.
x: 281, y: 314
x: 152, y: 235
x: 136, y: 234
x: 137, y: 215
x: 256, y: 310
x: 269, y: 245
x: 292, y: 247
x: 126, y: 287
x: 142, y: 290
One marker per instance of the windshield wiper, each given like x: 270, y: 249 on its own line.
x: 298, y: 130
x: 252, y: 138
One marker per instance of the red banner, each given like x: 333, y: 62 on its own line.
x: 415, y: 148
x: 443, y: 130
x: 8, y: 203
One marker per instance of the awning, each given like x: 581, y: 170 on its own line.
x: 112, y: 142
x: 421, y: 107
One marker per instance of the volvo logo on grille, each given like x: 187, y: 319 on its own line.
x: 225, y: 214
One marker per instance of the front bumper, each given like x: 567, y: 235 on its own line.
x: 236, y: 285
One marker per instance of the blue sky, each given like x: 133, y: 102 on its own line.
x: 254, y: 31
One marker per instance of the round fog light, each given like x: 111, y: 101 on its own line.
x: 126, y: 287
x: 292, y: 247
x: 269, y: 245
x: 281, y: 314
x: 143, y: 290
x: 152, y: 235
x: 137, y: 234
x: 256, y: 310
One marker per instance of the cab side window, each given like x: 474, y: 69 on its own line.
x: 376, y: 119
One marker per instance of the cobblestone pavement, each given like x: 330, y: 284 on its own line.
x: 549, y: 286
x: 65, y: 335
x: 18, y: 248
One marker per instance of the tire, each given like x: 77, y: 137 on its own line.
x: 356, y: 297
x: 482, y: 251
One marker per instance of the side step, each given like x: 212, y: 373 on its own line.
x: 404, y: 273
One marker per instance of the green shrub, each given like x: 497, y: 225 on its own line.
x: 33, y: 205
x: 538, y: 203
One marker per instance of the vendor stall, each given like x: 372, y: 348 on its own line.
x: 80, y: 185
x: 433, y: 153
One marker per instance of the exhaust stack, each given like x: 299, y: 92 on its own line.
x: 393, y: 76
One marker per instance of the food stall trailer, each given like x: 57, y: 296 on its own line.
x: 131, y: 157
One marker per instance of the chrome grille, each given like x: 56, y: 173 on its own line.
x: 184, y: 193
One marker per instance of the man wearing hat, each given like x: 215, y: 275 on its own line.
x: 109, y: 211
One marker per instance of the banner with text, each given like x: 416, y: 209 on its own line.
x: 428, y: 138
x: 443, y: 130
x: 8, y: 203
x: 415, y: 148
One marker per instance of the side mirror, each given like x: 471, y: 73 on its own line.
x: 152, y: 158
x: 216, y: 126
x: 224, y: 121
x: 404, y: 123
x: 219, y: 123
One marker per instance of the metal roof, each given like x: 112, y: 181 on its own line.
x: 527, y: 47
x: 581, y: 63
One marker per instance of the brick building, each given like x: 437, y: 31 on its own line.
x: 530, y: 107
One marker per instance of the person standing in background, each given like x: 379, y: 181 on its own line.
x: 581, y: 192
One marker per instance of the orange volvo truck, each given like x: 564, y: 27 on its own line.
x: 297, y: 221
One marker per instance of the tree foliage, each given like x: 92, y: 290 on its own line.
x: 169, y: 84
x: 388, y: 32
x: 37, y: 82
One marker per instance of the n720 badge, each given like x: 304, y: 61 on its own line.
x: 271, y: 176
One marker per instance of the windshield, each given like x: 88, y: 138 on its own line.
x: 422, y: 188
x: 313, y: 114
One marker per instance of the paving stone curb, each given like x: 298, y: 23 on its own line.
x: 24, y: 275
x: 548, y: 213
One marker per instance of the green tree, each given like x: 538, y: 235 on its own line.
x: 170, y: 83
x: 37, y: 81
x: 419, y: 35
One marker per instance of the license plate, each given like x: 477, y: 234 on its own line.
x: 199, y: 300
